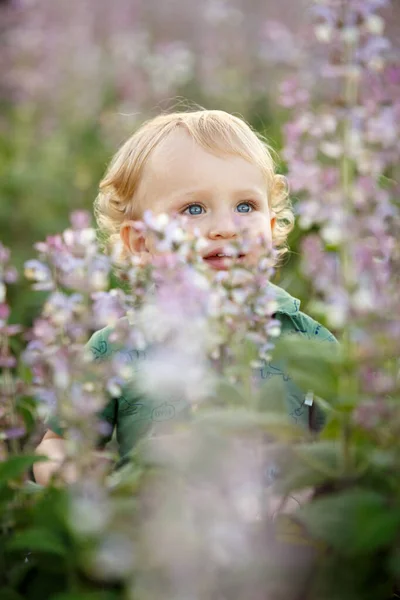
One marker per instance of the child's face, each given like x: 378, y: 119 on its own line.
x: 223, y: 197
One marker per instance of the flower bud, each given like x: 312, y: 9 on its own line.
x: 323, y: 33
x: 350, y: 35
x: 375, y: 25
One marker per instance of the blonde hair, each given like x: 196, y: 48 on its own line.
x: 216, y: 131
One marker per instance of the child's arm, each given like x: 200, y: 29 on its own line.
x: 53, y: 446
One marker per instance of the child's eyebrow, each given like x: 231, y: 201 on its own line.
x: 198, y: 194
x: 251, y: 192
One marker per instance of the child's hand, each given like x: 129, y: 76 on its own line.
x: 53, y: 446
x: 99, y: 465
x: 68, y: 473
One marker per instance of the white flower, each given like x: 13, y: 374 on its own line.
x: 336, y: 316
x: 355, y: 142
x: 88, y: 515
x: 113, y: 388
x: 171, y: 373
x: 201, y: 244
x: 229, y: 308
x: 332, y: 234
x: 87, y: 236
x: 350, y: 35
x: 155, y: 327
x: 61, y: 378
x: 241, y: 277
x: 156, y: 222
x: 305, y: 221
x: 37, y: 271
x: 117, y: 250
x: 200, y: 281
x: 331, y: 149
x: 88, y: 387
x: 221, y: 276
x: 305, y: 121
x: 69, y: 237
x: 115, y: 557
x: 240, y: 296
x: 363, y: 300
x: 328, y: 123
x: 376, y: 64
x: 274, y: 331
x: 375, y: 24
x: 323, y: 33
x: 178, y: 235
x: 99, y: 281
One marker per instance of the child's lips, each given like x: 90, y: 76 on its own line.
x: 222, y: 263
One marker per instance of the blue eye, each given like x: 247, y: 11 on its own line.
x: 193, y: 209
x: 245, y: 207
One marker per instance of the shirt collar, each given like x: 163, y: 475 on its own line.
x: 287, y: 304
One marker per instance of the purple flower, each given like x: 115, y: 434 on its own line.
x: 10, y: 275
x: 80, y: 219
x: 7, y: 361
x: 39, y: 273
x: 15, y: 433
x: 372, y: 413
x: 108, y: 307
x: 43, y: 330
x: 4, y: 254
x: 4, y: 312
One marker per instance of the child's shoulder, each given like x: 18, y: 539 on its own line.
x: 294, y: 321
x: 104, y: 343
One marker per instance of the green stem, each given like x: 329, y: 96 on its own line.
x: 348, y: 381
x: 7, y: 387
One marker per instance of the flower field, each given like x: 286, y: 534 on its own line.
x: 235, y: 499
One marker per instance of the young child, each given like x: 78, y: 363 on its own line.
x: 211, y: 167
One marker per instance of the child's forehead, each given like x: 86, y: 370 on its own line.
x: 179, y: 155
x: 178, y: 148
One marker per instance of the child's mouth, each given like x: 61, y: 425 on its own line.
x: 221, y: 261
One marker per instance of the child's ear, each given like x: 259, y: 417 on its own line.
x: 132, y: 238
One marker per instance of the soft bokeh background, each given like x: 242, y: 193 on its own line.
x: 78, y: 76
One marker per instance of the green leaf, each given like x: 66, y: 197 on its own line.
x: 312, y: 365
x: 247, y: 421
x: 353, y: 522
x: 245, y: 353
x: 333, y: 429
x: 16, y: 466
x: 322, y: 456
x: 37, y: 539
x: 9, y: 594
x: 309, y: 465
x: 394, y: 563
x: 26, y: 407
x: 383, y: 460
x: 228, y: 394
x: 24, y: 372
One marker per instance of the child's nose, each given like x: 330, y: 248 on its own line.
x: 223, y: 227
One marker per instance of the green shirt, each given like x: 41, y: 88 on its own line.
x: 132, y: 415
